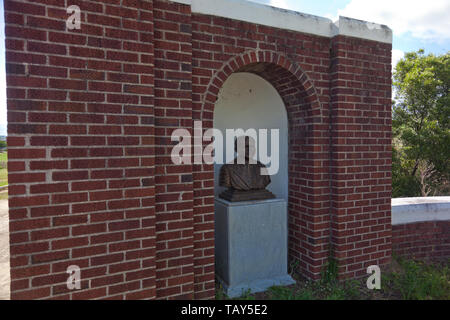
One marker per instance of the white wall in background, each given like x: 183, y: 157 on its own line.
x: 248, y: 101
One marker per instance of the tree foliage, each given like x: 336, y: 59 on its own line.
x: 421, y: 128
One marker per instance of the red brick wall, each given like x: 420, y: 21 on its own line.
x: 81, y: 148
x: 429, y: 240
x: 174, y: 184
x: 361, y: 154
x: 297, y: 66
x: 91, y: 113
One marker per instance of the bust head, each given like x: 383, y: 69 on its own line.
x: 244, y: 182
x: 244, y: 146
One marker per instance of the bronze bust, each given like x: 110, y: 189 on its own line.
x: 245, y: 181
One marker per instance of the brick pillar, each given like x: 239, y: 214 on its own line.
x: 174, y: 184
x: 361, y: 153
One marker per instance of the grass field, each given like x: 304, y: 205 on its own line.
x: 3, y: 168
x: 403, y: 280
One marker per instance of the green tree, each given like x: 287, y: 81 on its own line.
x: 421, y: 131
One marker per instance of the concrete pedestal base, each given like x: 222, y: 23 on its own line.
x: 251, y: 245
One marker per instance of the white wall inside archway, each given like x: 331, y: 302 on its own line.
x: 248, y: 101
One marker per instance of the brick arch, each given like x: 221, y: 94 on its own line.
x: 308, y: 207
x: 273, y: 67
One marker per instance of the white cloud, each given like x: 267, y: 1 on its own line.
x: 279, y: 3
x: 396, y: 56
x: 427, y: 20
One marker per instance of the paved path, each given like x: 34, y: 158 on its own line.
x: 4, y: 250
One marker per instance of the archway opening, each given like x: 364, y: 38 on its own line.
x: 247, y: 101
x: 307, y: 156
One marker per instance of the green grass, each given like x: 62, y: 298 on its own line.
x: 3, y: 169
x: 3, y: 177
x: 419, y: 281
x: 410, y: 280
x: 285, y: 293
x: 329, y: 288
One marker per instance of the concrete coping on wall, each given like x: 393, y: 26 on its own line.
x: 411, y: 210
x: 290, y: 20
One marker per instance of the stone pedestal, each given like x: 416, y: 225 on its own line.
x: 251, y: 245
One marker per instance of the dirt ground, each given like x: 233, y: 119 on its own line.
x: 4, y: 251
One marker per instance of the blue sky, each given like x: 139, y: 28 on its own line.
x: 416, y: 24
